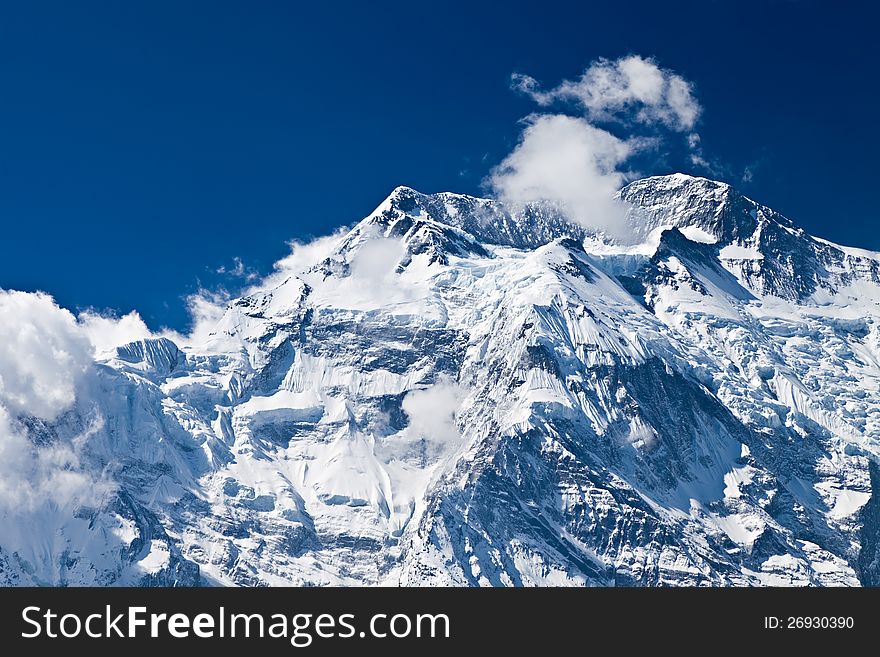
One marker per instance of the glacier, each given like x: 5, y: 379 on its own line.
x: 466, y: 394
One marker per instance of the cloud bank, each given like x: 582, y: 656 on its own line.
x: 44, y: 357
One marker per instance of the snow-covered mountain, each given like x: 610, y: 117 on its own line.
x: 460, y: 394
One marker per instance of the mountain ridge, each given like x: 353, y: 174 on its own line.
x: 460, y: 393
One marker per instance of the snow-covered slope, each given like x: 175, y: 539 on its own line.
x: 460, y: 394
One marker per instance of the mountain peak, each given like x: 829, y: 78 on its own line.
x: 157, y: 356
x: 675, y: 200
x: 678, y: 180
x: 679, y: 201
x: 487, y: 221
x: 790, y: 265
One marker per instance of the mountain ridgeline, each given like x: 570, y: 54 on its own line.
x: 464, y: 394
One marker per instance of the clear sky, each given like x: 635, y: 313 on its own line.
x: 145, y: 145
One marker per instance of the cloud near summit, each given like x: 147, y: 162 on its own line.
x: 571, y: 163
x: 566, y: 158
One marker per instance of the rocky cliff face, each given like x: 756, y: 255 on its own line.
x: 461, y: 394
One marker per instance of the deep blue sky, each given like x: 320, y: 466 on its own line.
x: 145, y: 144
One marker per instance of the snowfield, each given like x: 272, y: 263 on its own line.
x: 462, y: 394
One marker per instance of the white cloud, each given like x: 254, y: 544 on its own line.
x: 43, y: 355
x: 106, y: 332
x: 206, y: 308
x: 305, y: 255
x: 431, y: 412
x: 681, y: 102
x: 752, y: 169
x: 568, y: 161
x: 373, y: 279
x: 630, y: 88
x: 375, y: 262
x: 15, y: 456
x: 44, y: 359
x: 695, y: 145
x: 238, y: 270
x: 49, y: 477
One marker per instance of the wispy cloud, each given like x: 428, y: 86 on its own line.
x: 206, y: 309
x: 238, y: 270
x: 304, y: 254
x: 629, y: 89
x: 751, y: 169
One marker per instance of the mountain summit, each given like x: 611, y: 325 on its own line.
x: 461, y: 393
